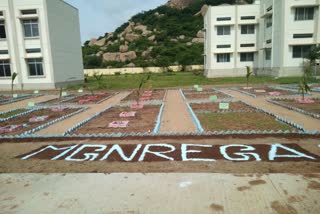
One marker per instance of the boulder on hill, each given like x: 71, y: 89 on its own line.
x: 198, y: 40
x: 200, y: 34
x: 131, y: 37
x: 123, y: 48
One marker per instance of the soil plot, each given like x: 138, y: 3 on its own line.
x: 5, y: 115
x: 143, y: 121
x: 205, y: 95
x: 89, y: 98
x: 56, y: 101
x: 309, y: 107
x: 239, y: 116
x: 24, y: 123
x: 5, y: 99
x: 157, y: 94
x: 267, y: 91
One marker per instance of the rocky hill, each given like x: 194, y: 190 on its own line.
x: 168, y: 35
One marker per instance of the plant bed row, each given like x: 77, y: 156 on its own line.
x: 265, y: 91
x: 13, y: 113
x: 121, y: 120
x: 56, y: 101
x: 89, y: 98
x: 7, y: 99
x: 213, y: 95
x: 315, y: 87
x: 311, y: 109
x: 35, y: 120
x: 152, y: 95
x: 240, y: 116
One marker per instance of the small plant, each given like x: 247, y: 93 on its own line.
x: 98, y: 77
x: 143, y: 80
x: 13, y: 77
x: 249, y: 73
x: 304, y: 88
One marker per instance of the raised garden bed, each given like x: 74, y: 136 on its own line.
x: 14, y: 113
x: 24, y: 123
x: 312, y: 109
x: 239, y: 117
x: 144, y: 121
x: 89, y: 98
x: 266, y: 91
x: 157, y: 94
x: 205, y: 95
x: 57, y: 101
x: 7, y: 99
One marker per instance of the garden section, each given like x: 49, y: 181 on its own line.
x: 34, y: 119
x: 121, y: 120
x: 312, y: 107
x: 239, y: 117
x: 146, y: 95
x: 6, y: 99
x: 57, y: 101
x: 187, y: 155
x: 266, y: 91
x: 205, y: 95
x: 94, y: 98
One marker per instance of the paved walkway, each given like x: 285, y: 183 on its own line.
x: 61, y: 127
x: 176, y: 117
x: 24, y: 103
x: 308, y: 122
x: 159, y: 193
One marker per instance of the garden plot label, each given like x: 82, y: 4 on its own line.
x: 172, y: 152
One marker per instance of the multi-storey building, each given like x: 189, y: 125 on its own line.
x: 39, y: 40
x: 271, y: 36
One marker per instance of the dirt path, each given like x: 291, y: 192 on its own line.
x: 173, y: 193
x: 176, y: 117
x: 24, y: 103
x: 307, y: 122
x: 61, y: 127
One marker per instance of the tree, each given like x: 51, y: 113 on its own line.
x: 313, y: 56
x: 92, y: 62
x: 249, y: 73
x: 13, y: 77
x: 143, y: 80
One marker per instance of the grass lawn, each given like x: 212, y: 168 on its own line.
x: 240, y: 121
x: 164, y: 80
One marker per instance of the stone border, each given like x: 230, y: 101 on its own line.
x: 30, y: 132
x: 280, y: 119
x: 272, y: 87
x: 275, y: 101
x: 16, y: 115
x: 68, y: 133
x: 43, y: 103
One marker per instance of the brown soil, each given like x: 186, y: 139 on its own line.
x: 310, y: 107
x: 252, y: 91
x: 86, y: 96
x: 144, y: 121
x: 25, y: 120
x: 204, y: 153
x: 193, y: 90
x: 214, y: 106
x: 10, y: 164
x: 9, y: 114
x: 56, y: 100
x: 157, y: 94
x: 204, y: 95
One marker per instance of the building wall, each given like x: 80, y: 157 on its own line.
x: 278, y: 38
x: 65, y: 47
x: 53, y: 48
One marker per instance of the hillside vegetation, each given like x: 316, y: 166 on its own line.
x: 160, y: 37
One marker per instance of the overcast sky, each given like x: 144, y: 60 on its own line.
x: 100, y: 16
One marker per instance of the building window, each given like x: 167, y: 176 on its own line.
x: 1, y: 13
x: 225, y: 57
x: 304, y: 13
x: 269, y: 41
x: 29, y: 12
x: 224, y: 19
x: 4, y: 52
x: 223, y: 46
x: 269, y: 8
x: 35, y: 67
x: 268, y: 21
x: 247, y: 57
x: 247, y: 45
x: 268, y: 54
x: 5, y: 70
x: 223, y: 30
x: 301, y: 51
x: 33, y: 50
x: 248, y: 17
x: 31, y: 28
x: 247, y: 29
x: 302, y: 35
x: 3, y: 34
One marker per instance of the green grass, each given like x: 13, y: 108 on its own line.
x: 240, y: 121
x: 164, y: 80
x: 9, y: 114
